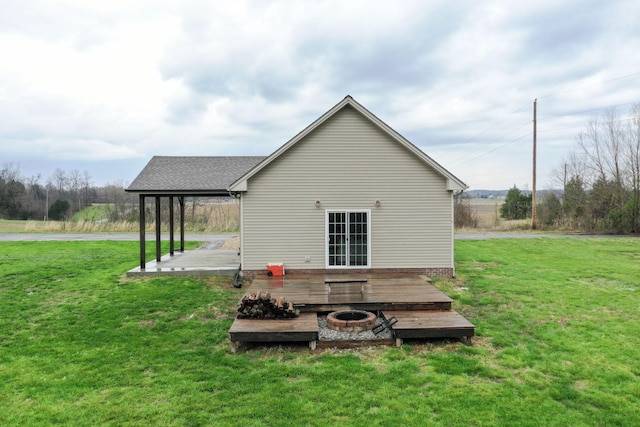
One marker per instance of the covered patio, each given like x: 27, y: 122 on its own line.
x: 172, y: 180
x: 211, y: 258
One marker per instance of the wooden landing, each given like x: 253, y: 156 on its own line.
x: 430, y: 324
x: 302, y: 328
x: 326, y: 293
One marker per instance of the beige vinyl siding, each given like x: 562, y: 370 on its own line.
x: 347, y: 163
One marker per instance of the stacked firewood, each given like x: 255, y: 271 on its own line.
x: 260, y: 305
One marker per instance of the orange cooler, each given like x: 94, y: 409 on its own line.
x: 276, y: 270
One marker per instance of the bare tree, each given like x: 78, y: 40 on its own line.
x: 574, y: 165
x: 591, y: 147
x: 613, y: 132
x: 59, y: 180
x: 609, y: 148
x: 86, y: 188
x: 36, y: 194
x: 632, y: 163
x: 10, y: 172
x: 74, y: 180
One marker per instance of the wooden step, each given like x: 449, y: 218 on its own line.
x: 429, y: 324
x: 302, y: 328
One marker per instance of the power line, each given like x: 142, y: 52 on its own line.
x: 626, y: 119
x: 491, y: 127
x: 557, y: 129
x: 493, y: 149
x: 575, y: 113
x: 591, y: 84
x: 496, y: 139
x: 497, y: 122
x: 480, y: 153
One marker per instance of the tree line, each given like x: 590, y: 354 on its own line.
x: 60, y: 196
x: 599, y: 180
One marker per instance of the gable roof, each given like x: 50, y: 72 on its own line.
x: 212, y: 176
x: 453, y: 183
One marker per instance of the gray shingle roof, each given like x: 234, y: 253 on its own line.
x: 205, y: 175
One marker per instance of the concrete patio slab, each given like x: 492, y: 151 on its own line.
x: 199, y: 262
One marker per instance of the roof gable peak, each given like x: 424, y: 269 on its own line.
x: 453, y: 183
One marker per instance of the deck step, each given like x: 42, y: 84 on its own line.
x: 302, y: 328
x: 430, y: 324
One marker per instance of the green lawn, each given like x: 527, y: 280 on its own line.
x: 558, y: 323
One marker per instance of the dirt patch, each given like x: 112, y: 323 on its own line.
x: 233, y: 243
x: 147, y: 323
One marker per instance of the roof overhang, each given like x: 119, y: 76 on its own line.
x: 186, y: 193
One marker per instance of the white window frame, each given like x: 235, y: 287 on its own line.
x: 326, y: 233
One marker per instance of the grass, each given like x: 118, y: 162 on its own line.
x: 558, y: 336
x: 93, y: 213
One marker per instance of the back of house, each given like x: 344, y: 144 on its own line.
x: 348, y: 194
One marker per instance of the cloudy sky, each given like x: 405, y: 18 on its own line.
x: 101, y: 86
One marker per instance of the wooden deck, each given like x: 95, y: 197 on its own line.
x: 422, y: 310
x: 326, y: 293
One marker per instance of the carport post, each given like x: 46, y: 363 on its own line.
x: 181, y: 201
x: 143, y: 249
x: 171, y: 230
x: 158, y: 231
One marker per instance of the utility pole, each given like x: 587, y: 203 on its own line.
x: 534, y: 218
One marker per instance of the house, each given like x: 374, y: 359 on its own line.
x: 348, y: 194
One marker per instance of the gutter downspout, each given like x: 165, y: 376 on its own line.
x: 236, y: 279
x: 236, y: 283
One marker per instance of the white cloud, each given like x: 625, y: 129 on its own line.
x: 118, y: 80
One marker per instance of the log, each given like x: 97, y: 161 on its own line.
x: 259, y: 305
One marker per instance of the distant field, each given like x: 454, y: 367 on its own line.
x: 81, y: 226
x: 488, y: 214
x: 201, y: 216
x: 10, y: 226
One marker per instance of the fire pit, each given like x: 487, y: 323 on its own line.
x: 351, y: 320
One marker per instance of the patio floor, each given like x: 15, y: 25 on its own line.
x: 203, y: 261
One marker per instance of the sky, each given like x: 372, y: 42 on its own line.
x: 102, y: 86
